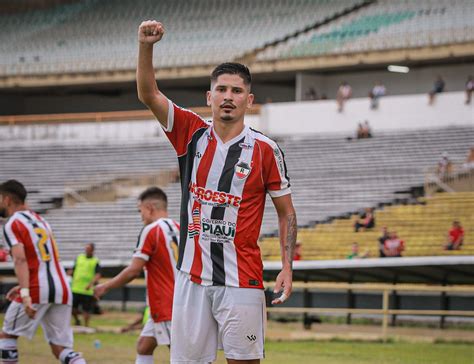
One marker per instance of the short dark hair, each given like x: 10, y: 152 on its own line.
x: 154, y: 193
x: 232, y: 68
x: 15, y: 189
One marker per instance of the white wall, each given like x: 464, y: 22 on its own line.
x: 90, y: 132
x: 395, y: 112
x: 279, y: 119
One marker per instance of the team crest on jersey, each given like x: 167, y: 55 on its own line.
x: 242, y: 170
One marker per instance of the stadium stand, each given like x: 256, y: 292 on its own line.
x: 384, y: 25
x: 97, y: 35
x: 331, y: 177
x: 422, y: 225
x: 79, y: 166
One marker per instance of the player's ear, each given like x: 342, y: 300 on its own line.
x: 250, y: 100
x: 208, y: 98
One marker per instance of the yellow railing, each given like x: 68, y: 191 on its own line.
x: 385, y: 289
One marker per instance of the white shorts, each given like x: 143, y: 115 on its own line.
x: 161, y: 331
x: 206, y: 318
x: 55, y: 320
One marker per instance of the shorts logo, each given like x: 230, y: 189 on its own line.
x: 251, y: 338
x: 242, y: 170
x: 194, y: 228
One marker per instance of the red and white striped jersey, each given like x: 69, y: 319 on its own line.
x: 224, y: 186
x: 48, y: 283
x: 158, y: 246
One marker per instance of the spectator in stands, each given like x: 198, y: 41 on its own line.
x: 311, y: 94
x: 366, y: 221
x: 470, y: 159
x: 438, y: 87
x: 445, y: 166
x: 367, y: 130
x: 360, y: 131
x: 393, y: 246
x: 344, y: 93
x: 3, y: 254
x: 469, y: 89
x: 382, y: 242
x: 364, y: 131
x: 455, y: 237
x: 297, y: 252
x: 375, y: 94
x: 355, y: 254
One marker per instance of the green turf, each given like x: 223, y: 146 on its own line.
x: 120, y: 349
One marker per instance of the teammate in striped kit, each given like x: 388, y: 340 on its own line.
x: 226, y: 170
x: 156, y: 253
x: 43, y: 295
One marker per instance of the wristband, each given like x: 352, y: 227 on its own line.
x: 24, y: 292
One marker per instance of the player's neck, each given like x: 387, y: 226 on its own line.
x: 13, y: 209
x: 228, y: 131
x: 160, y: 215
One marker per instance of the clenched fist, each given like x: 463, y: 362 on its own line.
x: 150, y: 32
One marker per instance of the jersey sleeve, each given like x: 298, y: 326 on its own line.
x: 146, y: 244
x: 275, y: 174
x: 13, y: 232
x: 182, y: 124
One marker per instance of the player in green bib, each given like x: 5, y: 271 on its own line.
x: 85, y: 276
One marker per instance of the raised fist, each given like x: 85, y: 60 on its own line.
x: 150, y: 32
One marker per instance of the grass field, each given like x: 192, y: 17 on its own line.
x: 119, y: 348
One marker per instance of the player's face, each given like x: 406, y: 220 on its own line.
x: 145, y: 212
x: 4, y: 203
x: 89, y: 250
x: 229, y: 98
x: 3, y: 210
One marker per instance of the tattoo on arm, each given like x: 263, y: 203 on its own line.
x: 291, y: 238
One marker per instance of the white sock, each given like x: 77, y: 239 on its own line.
x: 144, y: 359
x: 69, y: 356
x: 8, y: 351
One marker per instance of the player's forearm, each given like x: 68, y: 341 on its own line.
x: 124, y: 277
x: 146, y: 83
x: 22, y: 272
x: 96, y: 278
x: 288, y: 234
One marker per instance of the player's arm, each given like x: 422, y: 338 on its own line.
x: 23, y: 276
x: 149, y: 33
x: 127, y: 275
x: 288, y: 232
x: 97, y: 276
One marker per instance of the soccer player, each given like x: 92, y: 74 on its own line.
x: 86, y: 274
x: 43, y: 295
x: 156, y: 252
x: 226, y: 170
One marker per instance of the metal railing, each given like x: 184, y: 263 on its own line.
x: 457, y: 178
x: 386, y: 290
